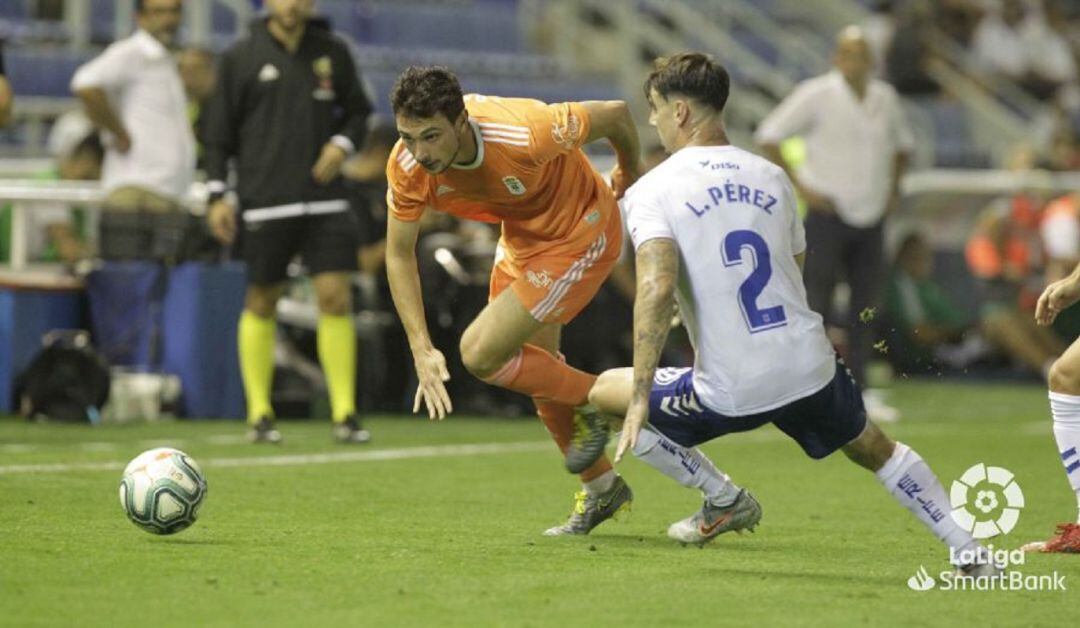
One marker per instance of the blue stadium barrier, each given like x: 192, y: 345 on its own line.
x: 27, y: 314
x: 125, y: 299
x: 199, y: 319
x: 181, y: 321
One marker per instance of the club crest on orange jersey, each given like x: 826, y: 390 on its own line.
x: 565, y: 133
x: 514, y: 185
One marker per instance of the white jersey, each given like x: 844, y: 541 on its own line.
x: 732, y: 215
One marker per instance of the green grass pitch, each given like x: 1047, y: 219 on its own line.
x: 410, y: 531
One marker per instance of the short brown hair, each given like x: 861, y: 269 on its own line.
x: 423, y: 92
x: 692, y: 74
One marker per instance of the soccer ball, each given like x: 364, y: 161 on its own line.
x: 161, y: 490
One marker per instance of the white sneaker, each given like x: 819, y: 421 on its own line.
x: 876, y: 409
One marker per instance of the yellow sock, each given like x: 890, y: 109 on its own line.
x: 336, y: 338
x: 256, y: 340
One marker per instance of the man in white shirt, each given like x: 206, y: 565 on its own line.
x: 857, y: 147
x: 716, y: 228
x: 133, y: 91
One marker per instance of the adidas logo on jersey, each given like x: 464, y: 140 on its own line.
x: 268, y: 73
x: 443, y: 189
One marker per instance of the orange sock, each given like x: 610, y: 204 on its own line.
x: 539, y: 374
x: 559, y: 421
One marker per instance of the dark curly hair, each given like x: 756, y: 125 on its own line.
x: 423, y: 92
x: 692, y: 74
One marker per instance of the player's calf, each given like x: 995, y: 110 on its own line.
x: 912, y: 484
x: 872, y: 449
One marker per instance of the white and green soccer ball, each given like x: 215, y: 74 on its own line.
x: 161, y: 490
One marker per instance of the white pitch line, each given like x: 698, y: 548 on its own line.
x: 306, y: 459
x: 1033, y: 428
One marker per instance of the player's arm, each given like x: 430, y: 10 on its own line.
x: 109, y: 71
x: 403, y: 274
x: 102, y: 114
x: 1058, y: 297
x: 5, y: 101
x: 904, y: 140
x: 219, y: 145
x: 657, y: 272
x: 612, y: 120
x: 6, y: 96
x: 355, y: 107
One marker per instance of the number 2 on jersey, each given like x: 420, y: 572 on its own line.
x: 757, y: 319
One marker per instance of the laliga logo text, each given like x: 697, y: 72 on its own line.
x: 986, y: 501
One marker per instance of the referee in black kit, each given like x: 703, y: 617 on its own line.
x: 289, y: 108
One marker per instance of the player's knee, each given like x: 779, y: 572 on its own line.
x: 261, y: 302
x: 474, y: 357
x: 336, y: 303
x: 1064, y: 377
x: 608, y: 393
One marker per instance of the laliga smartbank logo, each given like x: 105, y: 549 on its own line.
x: 986, y: 501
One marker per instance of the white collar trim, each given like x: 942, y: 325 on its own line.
x: 479, y: 149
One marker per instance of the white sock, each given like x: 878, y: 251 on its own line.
x: 911, y: 482
x: 600, y: 484
x: 1066, y: 411
x: 687, y: 466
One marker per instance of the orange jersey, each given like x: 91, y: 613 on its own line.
x: 529, y: 174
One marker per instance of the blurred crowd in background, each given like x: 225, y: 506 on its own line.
x: 1023, y: 53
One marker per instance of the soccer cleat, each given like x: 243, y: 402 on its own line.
x: 1065, y: 541
x: 264, y: 432
x: 592, y: 510
x: 590, y: 437
x: 712, y: 521
x: 350, y: 431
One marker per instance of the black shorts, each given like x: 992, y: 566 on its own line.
x: 821, y: 423
x: 324, y: 242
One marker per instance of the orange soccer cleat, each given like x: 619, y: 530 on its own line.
x: 1065, y: 541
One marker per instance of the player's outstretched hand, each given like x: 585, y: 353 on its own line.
x: 221, y: 217
x: 328, y: 166
x: 636, y: 417
x: 432, y: 373
x: 1057, y: 297
x: 621, y: 179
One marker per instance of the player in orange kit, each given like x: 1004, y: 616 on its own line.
x: 516, y: 162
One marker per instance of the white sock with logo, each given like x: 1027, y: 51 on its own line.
x: 911, y: 482
x: 1066, y: 411
x: 687, y: 466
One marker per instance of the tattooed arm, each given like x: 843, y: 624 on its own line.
x: 657, y: 274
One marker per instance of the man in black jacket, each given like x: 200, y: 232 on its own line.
x: 289, y: 108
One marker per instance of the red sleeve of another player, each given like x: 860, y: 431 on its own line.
x: 405, y: 194
x: 557, y: 129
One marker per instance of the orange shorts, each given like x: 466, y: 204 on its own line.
x: 556, y: 288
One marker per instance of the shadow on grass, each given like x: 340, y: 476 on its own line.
x: 175, y: 541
